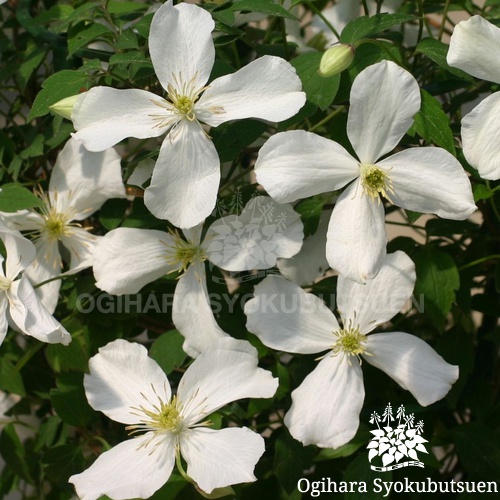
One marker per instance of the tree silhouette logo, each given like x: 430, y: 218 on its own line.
x: 395, y: 439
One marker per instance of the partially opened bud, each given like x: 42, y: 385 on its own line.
x: 336, y: 59
x: 64, y: 107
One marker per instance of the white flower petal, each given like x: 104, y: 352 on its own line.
x: 267, y: 88
x: 20, y: 252
x: 104, y: 116
x: 480, y: 132
x: 380, y: 299
x: 47, y: 265
x: 4, y: 325
x: 191, y: 311
x: 22, y: 220
x: 186, y: 177
x: 123, y: 378
x: 384, y: 99
x: 264, y: 231
x: 286, y: 318
x: 126, y: 259
x: 297, y: 164
x: 310, y: 263
x: 474, y: 48
x: 142, y: 172
x: 325, y: 407
x: 413, y: 364
x: 132, y: 469
x: 430, y: 180
x: 356, y: 238
x: 31, y: 317
x: 81, y: 245
x: 219, y: 458
x: 82, y: 181
x: 181, y: 46
x: 225, y: 372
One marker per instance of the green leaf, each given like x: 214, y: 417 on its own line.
x: 287, y: 461
x: 360, y: 439
x: 69, y: 399
x: 14, y: 197
x: 267, y: 7
x: 359, y: 470
x: 432, y: 124
x: 368, y: 26
x: 10, y: 378
x: 13, y: 452
x: 482, y: 192
x: 63, y: 461
x: 319, y: 90
x: 167, y: 351
x: 437, y: 280
x: 129, y: 57
x: 230, y: 138
x: 63, y: 84
x: 436, y: 51
x: 112, y: 213
x: 310, y: 212
x: 72, y: 357
x: 31, y: 59
x: 81, y: 34
x: 478, y: 447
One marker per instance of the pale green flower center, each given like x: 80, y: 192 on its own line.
x: 56, y: 225
x: 182, y: 253
x: 4, y: 283
x: 184, y: 105
x: 163, y: 417
x: 375, y: 181
x: 350, y: 341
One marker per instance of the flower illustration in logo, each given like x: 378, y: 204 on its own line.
x: 394, y: 444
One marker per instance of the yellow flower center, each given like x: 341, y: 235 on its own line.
x: 164, y: 417
x: 183, y: 253
x: 350, y: 342
x: 4, y: 283
x: 55, y: 225
x: 184, y: 105
x: 375, y: 181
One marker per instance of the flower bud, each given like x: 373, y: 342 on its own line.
x: 64, y: 107
x: 336, y: 59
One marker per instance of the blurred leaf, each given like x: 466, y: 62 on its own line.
x: 360, y: 439
x: 432, y: 124
x: 437, y: 280
x: 482, y: 192
x: 81, y: 34
x: 310, y: 212
x: 319, y: 90
x: 63, y: 84
x: 31, y: 59
x: 436, y: 51
x: 367, y: 26
x: 69, y: 399
x: 72, y: 357
x: 287, y: 461
x: 13, y: 452
x: 359, y: 470
x: 479, y: 450
x: 63, y: 461
x: 112, y: 213
x: 267, y: 7
x: 167, y: 351
x: 10, y: 378
x: 230, y: 138
x: 14, y: 197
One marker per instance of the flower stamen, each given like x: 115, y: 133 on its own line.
x: 375, y: 181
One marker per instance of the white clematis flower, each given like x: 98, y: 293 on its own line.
x: 80, y: 183
x: 325, y: 407
x: 19, y: 304
x: 474, y: 48
x: 186, y: 178
x: 130, y: 388
x: 126, y: 259
x: 297, y: 164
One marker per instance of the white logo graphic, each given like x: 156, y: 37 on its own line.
x: 393, y: 444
